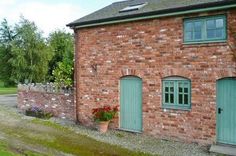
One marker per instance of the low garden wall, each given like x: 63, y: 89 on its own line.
x: 59, y: 101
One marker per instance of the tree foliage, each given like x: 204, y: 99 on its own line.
x: 7, y: 35
x: 26, y: 55
x: 61, y: 44
x: 30, y: 53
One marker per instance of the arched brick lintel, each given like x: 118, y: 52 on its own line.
x: 129, y: 72
x: 225, y: 73
x: 175, y: 72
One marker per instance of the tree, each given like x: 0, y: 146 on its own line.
x: 61, y: 45
x: 7, y: 35
x: 30, y: 55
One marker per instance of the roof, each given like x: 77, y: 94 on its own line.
x: 152, y: 7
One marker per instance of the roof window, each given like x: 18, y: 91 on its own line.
x: 133, y: 7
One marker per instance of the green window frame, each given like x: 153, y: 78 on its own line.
x: 176, y: 93
x: 205, y: 29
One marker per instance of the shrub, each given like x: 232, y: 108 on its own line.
x: 38, y: 112
x: 63, y: 74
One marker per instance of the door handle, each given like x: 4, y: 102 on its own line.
x: 219, y: 110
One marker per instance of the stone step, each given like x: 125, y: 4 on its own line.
x: 224, y: 149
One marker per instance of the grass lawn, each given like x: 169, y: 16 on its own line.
x: 5, y: 150
x: 1, y: 84
x: 42, y: 138
x: 8, y: 90
x: 35, y: 137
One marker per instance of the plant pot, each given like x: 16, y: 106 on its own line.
x: 103, y: 126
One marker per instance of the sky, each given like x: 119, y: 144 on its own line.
x: 49, y: 15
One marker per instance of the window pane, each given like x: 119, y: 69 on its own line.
x: 180, y: 99
x: 219, y: 23
x: 167, y: 89
x: 180, y: 84
x: 219, y: 33
x: 186, y: 99
x: 185, y: 90
x: 166, y: 84
x: 172, y: 98
x: 198, y: 26
x: 180, y: 89
x: 211, y: 24
x: 186, y: 85
x: 166, y: 98
x: 176, y: 97
x: 197, y: 35
x: 210, y: 34
x: 205, y: 29
x: 189, y: 27
x: 171, y: 84
x: 188, y: 35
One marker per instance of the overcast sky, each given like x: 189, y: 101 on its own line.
x: 49, y: 14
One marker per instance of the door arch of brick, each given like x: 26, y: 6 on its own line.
x: 128, y: 72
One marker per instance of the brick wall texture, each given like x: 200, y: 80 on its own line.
x: 61, y: 105
x: 154, y: 49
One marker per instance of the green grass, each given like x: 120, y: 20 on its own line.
x: 42, y: 133
x: 7, y: 90
x: 4, y: 153
x: 6, y: 150
x: 1, y: 84
x: 11, y: 90
x: 49, y: 124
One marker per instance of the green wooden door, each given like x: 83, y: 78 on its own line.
x: 131, y: 104
x: 226, y: 111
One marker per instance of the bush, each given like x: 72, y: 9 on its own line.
x: 38, y: 112
x: 63, y: 74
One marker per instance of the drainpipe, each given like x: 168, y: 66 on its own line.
x: 76, y: 84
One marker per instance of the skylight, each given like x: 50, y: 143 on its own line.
x: 133, y: 7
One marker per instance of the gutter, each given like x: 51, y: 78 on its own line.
x: 152, y: 15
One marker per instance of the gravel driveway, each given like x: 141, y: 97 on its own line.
x: 8, y: 100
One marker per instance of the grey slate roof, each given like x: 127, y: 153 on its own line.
x: 153, y: 7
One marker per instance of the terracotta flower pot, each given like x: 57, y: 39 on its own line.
x: 103, y: 126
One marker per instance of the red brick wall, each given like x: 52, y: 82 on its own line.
x: 152, y: 50
x: 61, y: 105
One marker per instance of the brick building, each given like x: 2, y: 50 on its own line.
x: 169, y: 65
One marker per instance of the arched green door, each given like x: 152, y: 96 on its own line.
x: 226, y: 111
x: 131, y: 104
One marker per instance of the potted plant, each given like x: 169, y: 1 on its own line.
x: 103, y: 116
